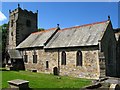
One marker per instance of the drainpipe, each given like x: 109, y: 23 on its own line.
x: 58, y: 62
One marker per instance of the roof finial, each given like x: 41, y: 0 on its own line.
x: 18, y: 5
x: 108, y: 17
x: 58, y: 26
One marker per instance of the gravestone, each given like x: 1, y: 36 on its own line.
x: 55, y: 71
x: 114, y: 87
x: 19, y: 84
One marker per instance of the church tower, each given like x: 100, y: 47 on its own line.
x: 21, y: 24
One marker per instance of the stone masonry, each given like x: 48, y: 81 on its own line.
x: 89, y: 68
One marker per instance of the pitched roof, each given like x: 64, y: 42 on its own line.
x: 14, y: 54
x: 85, y: 35
x: 37, y: 39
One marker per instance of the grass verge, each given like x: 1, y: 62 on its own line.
x: 40, y: 80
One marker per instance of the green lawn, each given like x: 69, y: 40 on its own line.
x: 39, y: 80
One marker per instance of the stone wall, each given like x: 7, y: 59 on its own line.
x: 90, y: 63
x: 89, y: 68
x: 12, y: 29
x: 118, y: 57
x: 108, y: 45
x: 42, y: 57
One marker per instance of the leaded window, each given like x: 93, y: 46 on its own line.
x: 34, y: 57
x: 63, y: 57
x: 79, y: 58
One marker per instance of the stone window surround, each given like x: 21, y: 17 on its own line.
x: 34, y: 57
x: 82, y: 62
x: 63, y: 58
x: 12, y: 23
x: 25, y: 56
x: 47, y: 65
x: 79, y: 58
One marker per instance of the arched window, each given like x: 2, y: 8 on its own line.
x: 79, y: 58
x: 12, y: 23
x: 63, y: 57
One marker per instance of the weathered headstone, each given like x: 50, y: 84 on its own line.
x: 19, y: 84
x: 55, y: 71
x: 114, y: 87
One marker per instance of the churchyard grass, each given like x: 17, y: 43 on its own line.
x: 40, y: 80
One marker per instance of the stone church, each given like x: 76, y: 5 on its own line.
x: 85, y: 51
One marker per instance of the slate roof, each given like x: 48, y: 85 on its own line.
x: 85, y: 35
x: 37, y: 39
x: 14, y: 54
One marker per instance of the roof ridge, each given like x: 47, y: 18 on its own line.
x: 46, y: 30
x: 83, y: 25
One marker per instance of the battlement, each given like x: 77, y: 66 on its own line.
x: 22, y: 11
x: 28, y: 13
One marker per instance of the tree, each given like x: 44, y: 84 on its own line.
x: 41, y: 29
x: 3, y: 40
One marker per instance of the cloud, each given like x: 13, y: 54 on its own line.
x: 2, y: 16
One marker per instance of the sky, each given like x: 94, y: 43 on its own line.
x: 66, y: 14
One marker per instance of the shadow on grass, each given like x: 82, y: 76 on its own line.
x: 43, y: 89
x: 4, y: 69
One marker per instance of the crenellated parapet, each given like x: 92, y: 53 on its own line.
x: 23, y: 12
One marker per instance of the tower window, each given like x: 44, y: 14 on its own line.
x: 79, y: 58
x: 11, y: 23
x: 28, y: 23
x: 63, y: 57
x: 12, y: 33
